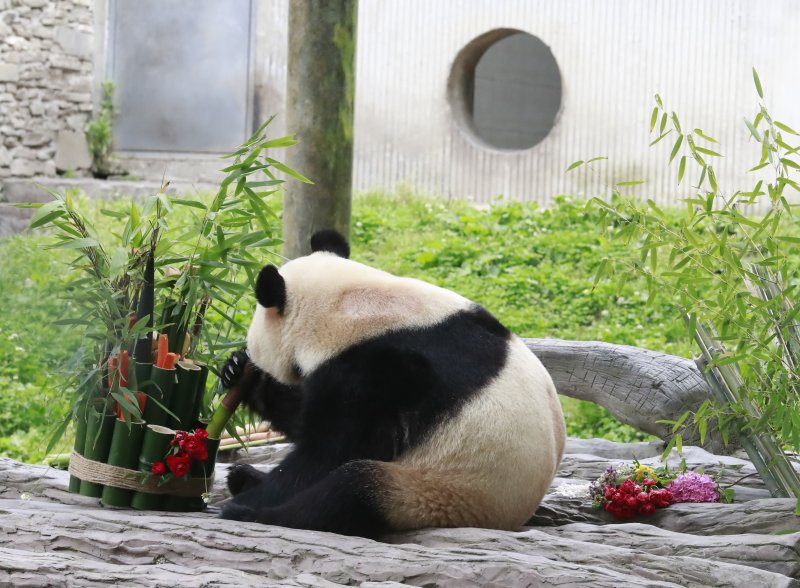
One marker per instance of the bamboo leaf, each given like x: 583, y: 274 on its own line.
x: 676, y: 148
x: 46, y: 213
x: 289, y: 171
x: 653, y: 118
x: 757, y: 82
x: 190, y: 203
x: 786, y: 128
x: 676, y: 123
x: 660, y: 137
x: 82, y: 243
x: 702, y: 135
x: 789, y: 163
x: 753, y: 130
x: 707, y: 151
x: 574, y: 165
x: 681, y: 169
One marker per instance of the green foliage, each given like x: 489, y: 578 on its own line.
x: 733, y: 277
x: 100, y: 133
x: 532, y: 267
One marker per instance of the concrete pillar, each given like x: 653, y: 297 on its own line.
x: 320, y: 98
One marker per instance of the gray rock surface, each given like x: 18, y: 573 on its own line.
x: 51, y: 537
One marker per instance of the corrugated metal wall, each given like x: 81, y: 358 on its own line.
x: 613, y: 56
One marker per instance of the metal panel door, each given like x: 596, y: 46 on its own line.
x: 183, y: 74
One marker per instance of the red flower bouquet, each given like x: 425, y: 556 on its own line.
x: 185, y: 448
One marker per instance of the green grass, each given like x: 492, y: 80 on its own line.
x: 531, y: 267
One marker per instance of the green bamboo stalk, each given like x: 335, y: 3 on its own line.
x: 143, y: 352
x: 223, y: 413
x: 99, y: 429
x: 200, y: 393
x: 767, y: 457
x: 154, y: 448
x: 184, y: 395
x: 126, y: 444
x: 162, y: 389
x: 81, y: 416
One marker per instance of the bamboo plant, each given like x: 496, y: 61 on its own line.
x: 175, y: 267
x: 729, y: 267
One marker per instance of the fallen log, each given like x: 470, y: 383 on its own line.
x: 637, y: 386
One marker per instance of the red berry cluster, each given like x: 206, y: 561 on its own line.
x: 629, y: 499
x: 186, y: 448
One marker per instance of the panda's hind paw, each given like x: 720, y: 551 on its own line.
x: 233, y: 368
x: 238, y: 512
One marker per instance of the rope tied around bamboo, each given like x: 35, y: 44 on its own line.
x: 109, y: 475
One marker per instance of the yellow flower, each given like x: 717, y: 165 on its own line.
x: 642, y: 472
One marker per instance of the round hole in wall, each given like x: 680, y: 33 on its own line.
x: 505, y: 89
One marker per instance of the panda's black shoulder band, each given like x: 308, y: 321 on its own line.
x: 332, y: 241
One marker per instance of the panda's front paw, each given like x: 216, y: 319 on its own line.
x: 234, y: 368
x: 242, y: 477
x: 238, y: 512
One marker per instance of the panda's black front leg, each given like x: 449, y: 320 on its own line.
x: 272, y: 400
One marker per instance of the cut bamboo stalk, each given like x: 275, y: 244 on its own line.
x: 99, y: 430
x: 200, y: 394
x: 223, y: 412
x: 81, y: 416
x: 126, y: 444
x: 184, y: 395
x: 154, y: 448
x: 248, y: 444
x: 248, y: 438
x: 162, y: 388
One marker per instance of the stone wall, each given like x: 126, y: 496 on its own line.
x: 45, y: 85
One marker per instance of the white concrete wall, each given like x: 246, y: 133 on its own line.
x: 614, y: 55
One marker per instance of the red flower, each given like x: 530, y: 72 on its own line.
x: 649, y: 482
x: 158, y: 468
x: 178, y: 464
x: 628, y: 487
x: 647, y: 509
x: 194, y: 447
x: 179, y: 436
x: 201, y: 434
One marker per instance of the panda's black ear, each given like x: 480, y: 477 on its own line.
x: 271, y: 289
x: 330, y: 240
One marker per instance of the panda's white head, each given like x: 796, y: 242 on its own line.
x: 315, y: 306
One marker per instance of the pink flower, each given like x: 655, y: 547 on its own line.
x: 693, y: 487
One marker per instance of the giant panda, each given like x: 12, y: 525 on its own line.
x: 409, y: 406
